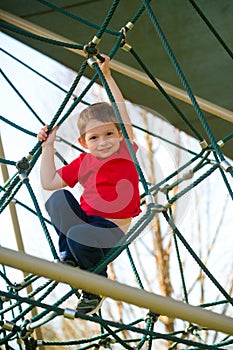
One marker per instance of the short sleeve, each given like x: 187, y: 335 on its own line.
x: 70, y: 173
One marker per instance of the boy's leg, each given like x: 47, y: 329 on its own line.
x: 87, y: 256
x: 90, y: 242
x: 65, y: 212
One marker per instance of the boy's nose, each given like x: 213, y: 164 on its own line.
x: 103, y: 141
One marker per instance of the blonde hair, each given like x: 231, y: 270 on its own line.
x: 101, y: 111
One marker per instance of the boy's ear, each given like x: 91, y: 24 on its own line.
x: 82, y: 142
x: 121, y: 135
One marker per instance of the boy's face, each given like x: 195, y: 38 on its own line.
x: 102, y: 139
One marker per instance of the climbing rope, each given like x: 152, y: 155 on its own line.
x: 20, y: 328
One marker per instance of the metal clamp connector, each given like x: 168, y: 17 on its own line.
x: 149, y: 199
x: 29, y: 156
x: 23, y: 177
x: 188, y: 175
x: 126, y: 47
x: 167, y: 206
x: 158, y: 208
x: 203, y: 144
x: 124, y: 30
x: 69, y: 313
x: 8, y: 326
x: 91, y: 61
x: 129, y: 25
x: 90, y: 49
x: 221, y: 143
x: 95, y: 40
x: 165, y: 189
x: 225, y: 165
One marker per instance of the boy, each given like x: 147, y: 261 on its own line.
x: 87, y: 231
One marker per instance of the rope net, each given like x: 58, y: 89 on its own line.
x: 36, y: 302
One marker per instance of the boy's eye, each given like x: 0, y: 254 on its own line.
x: 93, y: 137
x: 109, y: 133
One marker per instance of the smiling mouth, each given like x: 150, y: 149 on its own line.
x: 105, y: 149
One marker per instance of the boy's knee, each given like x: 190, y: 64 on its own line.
x: 56, y: 200
x: 81, y: 236
x: 74, y: 235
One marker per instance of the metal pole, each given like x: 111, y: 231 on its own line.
x: 96, y: 284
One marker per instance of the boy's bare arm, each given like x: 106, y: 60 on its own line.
x: 50, y: 180
x: 104, y: 66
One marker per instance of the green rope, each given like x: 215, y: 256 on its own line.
x: 35, y: 71
x: 107, y: 19
x: 21, y: 97
x: 197, y: 259
x: 156, y: 187
x: 38, y: 319
x: 138, y: 279
x: 18, y: 127
x: 75, y: 17
x: 228, y: 137
x: 39, y: 214
x: 180, y: 264
x: 18, y: 301
x: 23, y: 205
x: 193, y: 184
x: 14, y: 184
x: 144, y: 338
x: 28, y: 34
x: 219, y: 302
x: 183, y: 79
x: 129, y: 237
x: 163, y: 139
x: 8, y: 162
x: 155, y: 335
x: 9, y: 193
x: 163, y: 92
x: 212, y: 29
x: 116, y: 337
x: 48, y: 291
x: 138, y: 14
x: 128, y: 142
x: 63, y: 105
x: 3, y: 276
x: 228, y: 186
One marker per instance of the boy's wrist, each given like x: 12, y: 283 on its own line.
x: 108, y: 76
x: 47, y: 146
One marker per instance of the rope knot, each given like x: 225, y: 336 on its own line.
x: 194, y: 329
x: 124, y: 31
x: 91, y: 49
x: 25, y: 330
x: 23, y: 165
x: 152, y: 316
x: 106, y: 342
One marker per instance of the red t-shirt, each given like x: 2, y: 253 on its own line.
x: 110, y: 184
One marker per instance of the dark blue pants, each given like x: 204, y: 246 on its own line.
x: 83, y: 239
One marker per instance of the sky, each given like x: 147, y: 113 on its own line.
x: 45, y: 99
